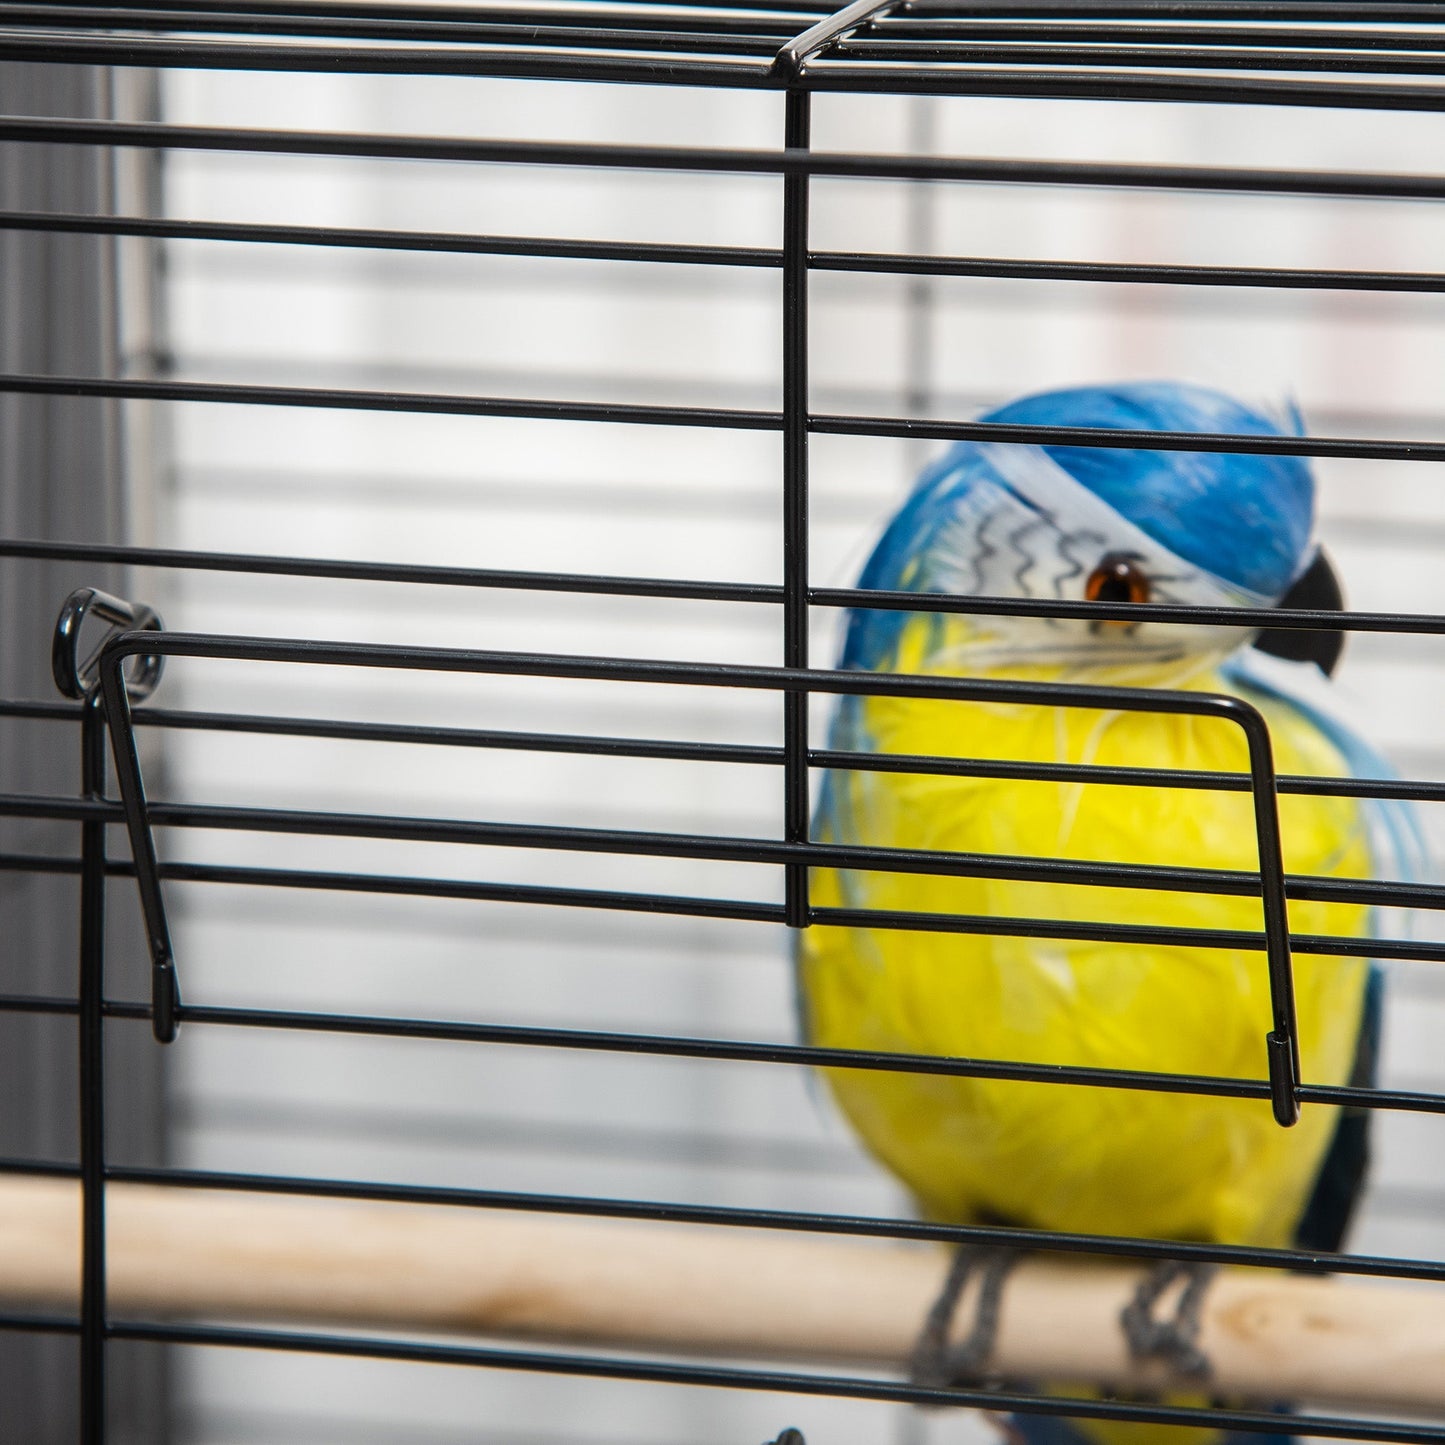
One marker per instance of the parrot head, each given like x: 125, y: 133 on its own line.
x: 1076, y: 523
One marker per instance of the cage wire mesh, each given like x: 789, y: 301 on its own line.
x: 511, y: 330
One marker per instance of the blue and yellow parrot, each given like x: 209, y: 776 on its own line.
x: 1068, y: 522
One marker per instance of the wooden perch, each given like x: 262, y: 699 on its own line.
x: 252, y: 1258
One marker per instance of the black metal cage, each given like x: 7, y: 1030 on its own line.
x: 103, y: 579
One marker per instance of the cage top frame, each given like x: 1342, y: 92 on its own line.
x: 1387, y: 56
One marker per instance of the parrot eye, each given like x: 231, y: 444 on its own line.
x: 1117, y: 578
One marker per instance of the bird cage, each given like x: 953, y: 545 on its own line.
x: 438, y: 445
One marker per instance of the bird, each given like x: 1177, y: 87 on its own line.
x: 1136, y: 524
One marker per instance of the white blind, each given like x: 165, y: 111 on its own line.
x: 663, y: 502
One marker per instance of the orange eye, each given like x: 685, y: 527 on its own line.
x: 1118, y: 578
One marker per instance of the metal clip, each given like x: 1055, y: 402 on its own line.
x: 117, y: 688
x: 79, y: 679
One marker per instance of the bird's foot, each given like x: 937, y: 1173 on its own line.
x: 1175, y: 1340
x: 935, y: 1361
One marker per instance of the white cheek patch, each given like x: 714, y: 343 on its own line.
x: 1041, y: 534
x: 1077, y: 514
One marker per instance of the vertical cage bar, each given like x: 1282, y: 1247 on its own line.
x: 1282, y: 1042
x: 91, y: 1038
x: 797, y: 128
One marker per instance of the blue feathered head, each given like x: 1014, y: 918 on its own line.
x: 1246, y: 519
x: 1200, y: 528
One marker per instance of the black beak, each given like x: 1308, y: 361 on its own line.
x: 1317, y: 590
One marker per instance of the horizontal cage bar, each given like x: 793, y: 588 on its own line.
x: 1367, y: 185
x: 762, y: 851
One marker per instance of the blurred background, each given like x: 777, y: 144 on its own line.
x: 648, y: 501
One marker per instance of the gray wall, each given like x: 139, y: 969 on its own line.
x: 60, y: 478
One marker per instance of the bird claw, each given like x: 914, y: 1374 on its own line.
x: 937, y: 1364
x: 1172, y: 1340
